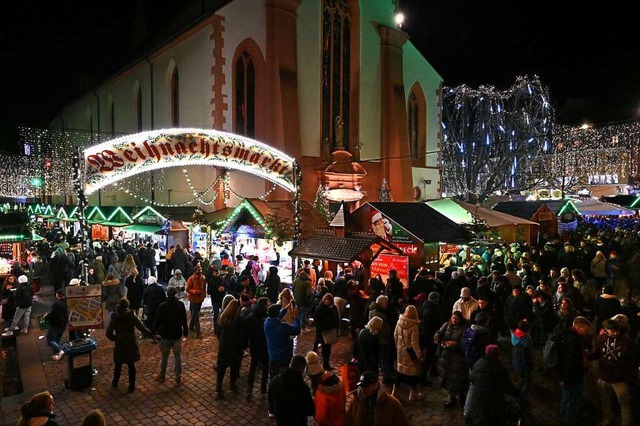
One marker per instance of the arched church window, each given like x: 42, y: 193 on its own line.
x: 245, y: 96
x: 336, y: 52
x: 175, y: 98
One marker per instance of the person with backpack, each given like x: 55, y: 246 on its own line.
x: 476, y: 338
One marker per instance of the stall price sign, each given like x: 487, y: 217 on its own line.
x: 85, y: 306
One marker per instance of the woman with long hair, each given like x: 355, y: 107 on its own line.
x: 135, y: 290
x: 128, y: 265
x: 326, y: 322
x: 37, y: 411
x: 231, y: 345
x: 122, y: 330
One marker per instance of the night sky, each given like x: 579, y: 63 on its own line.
x: 51, y: 51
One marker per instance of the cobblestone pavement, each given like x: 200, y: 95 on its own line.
x: 193, y: 402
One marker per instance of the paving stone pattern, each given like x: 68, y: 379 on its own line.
x: 193, y: 402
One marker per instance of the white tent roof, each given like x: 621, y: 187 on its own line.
x: 596, y: 207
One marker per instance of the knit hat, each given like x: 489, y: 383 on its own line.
x: 23, y: 279
x: 482, y: 318
x: 434, y: 297
x: 177, y: 271
x: 152, y: 280
x: 313, y: 364
x: 273, y: 311
x: 492, y: 351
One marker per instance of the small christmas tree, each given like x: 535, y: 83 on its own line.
x: 385, y: 192
x: 198, y: 217
x: 321, y: 203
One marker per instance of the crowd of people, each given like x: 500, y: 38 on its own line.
x: 450, y: 326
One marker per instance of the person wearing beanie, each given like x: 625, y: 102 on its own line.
x: 171, y: 325
x: 476, y: 338
x: 23, y: 299
x: 314, y: 370
x: 177, y: 281
x: 522, y: 358
x: 605, y: 306
x: 466, y: 304
x: 452, y: 365
x: 431, y: 319
x: 278, y: 334
x: 490, y: 381
x: 329, y: 399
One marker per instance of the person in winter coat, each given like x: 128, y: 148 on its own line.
x: 58, y: 319
x: 6, y: 299
x: 216, y: 289
x: 522, y: 358
x: 599, y: 268
x: 112, y: 291
x: 326, y: 321
x: 544, y: 318
x: 38, y: 411
x: 517, y: 307
x: 179, y: 259
x: 431, y: 321
x: 485, y: 405
x: 98, y: 269
x: 135, y: 289
x: 122, y: 331
x: 571, y: 370
x: 197, y: 291
x: 395, y: 290
x: 290, y: 396
x: 367, y: 346
x: 272, y: 284
x: 407, y: 336
x: 278, y: 333
x: 614, y: 350
x: 371, y: 405
x: 258, y: 346
x: 380, y: 308
x: 329, y: 400
x: 231, y: 344
x: 171, y: 324
x: 23, y: 299
x: 152, y: 297
x: 606, y: 306
x: 302, y: 293
x: 452, y: 365
x: 177, y: 281
x: 476, y: 338
x: 357, y: 308
x: 58, y: 269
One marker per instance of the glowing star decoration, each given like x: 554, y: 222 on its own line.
x: 127, y: 156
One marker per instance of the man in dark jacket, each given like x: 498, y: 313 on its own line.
x: 58, y: 318
x: 570, y: 369
x: 290, y: 396
x: 216, y: 289
x: 171, y: 325
x: 517, y: 307
x: 258, y: 345
x: 476, y: 338
x: 152, y: 297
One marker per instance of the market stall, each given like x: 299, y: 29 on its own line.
x: 265, y: 229
x: 501, y: 226
x: 553, y: 216
x: 416, y: 228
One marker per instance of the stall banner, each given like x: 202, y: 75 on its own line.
x: 127, y: 156
x: 385, y: 262
x: 85, y: 306
x: 387, y: 229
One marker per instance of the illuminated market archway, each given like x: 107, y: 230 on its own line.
x: 124, y: 157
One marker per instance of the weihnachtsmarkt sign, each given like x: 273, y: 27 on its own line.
x: 120, y: 158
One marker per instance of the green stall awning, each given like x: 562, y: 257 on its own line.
x: 143, y: 229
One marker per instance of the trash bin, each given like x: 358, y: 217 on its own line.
x: 79, y: 359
